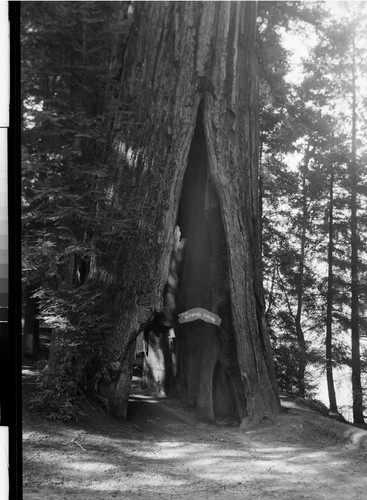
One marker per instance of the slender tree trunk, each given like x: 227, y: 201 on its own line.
x: 182, y: 56
x: 298, y: 318
x: 271, y: 299
x: 31, y: 324
x: 356, y: 357
x: 261, y: 189
x: 329, y: 301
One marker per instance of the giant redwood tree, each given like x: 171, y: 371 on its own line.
x: 183, y: 148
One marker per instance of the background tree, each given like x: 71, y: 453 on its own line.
x: 354, y: 237
x: 317, y: 110
x: 66, y: 218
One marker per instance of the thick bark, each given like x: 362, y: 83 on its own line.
x: 329, y: 301
x: 181, y: 55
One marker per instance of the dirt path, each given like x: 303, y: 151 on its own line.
x: 165, y: 451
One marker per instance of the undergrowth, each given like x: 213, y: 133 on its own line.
x: 59, y: 392
x: 56, y: 403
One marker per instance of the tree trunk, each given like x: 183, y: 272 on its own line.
x: 31, y: 324
x: 329, y: 301
x: 298, y: 318
x: 182, y: 56
x: 353, y: 172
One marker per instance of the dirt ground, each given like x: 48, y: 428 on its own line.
x: 164, y: 451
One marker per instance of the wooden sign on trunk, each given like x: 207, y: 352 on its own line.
x: 199, y: 313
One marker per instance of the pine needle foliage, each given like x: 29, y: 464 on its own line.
x: 69, y: 217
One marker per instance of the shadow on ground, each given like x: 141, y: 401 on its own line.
x: 164, y: 450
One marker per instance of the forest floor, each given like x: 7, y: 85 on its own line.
x: 164, y: 450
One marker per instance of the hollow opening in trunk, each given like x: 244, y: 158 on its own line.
x: 180, y: 358
x: 203, y: 282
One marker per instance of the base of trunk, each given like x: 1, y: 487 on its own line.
x: 117, y: 391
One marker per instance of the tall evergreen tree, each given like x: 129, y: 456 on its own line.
x: 329, y: 299
x: 181, y: 81
x: 354, y: 241
x: 317, y: 109
x: 67, y: 219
